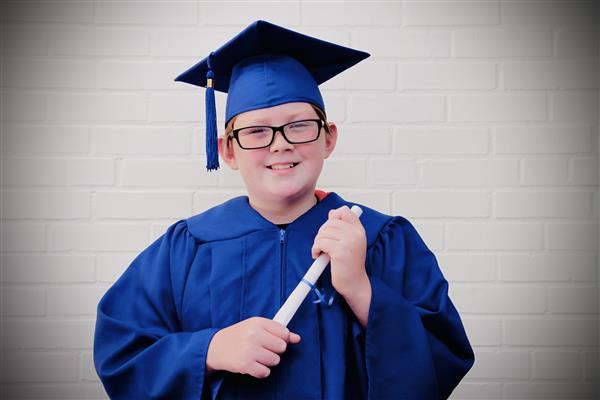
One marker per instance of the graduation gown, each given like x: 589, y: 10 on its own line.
x: 227, y: 264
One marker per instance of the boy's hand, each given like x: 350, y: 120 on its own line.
x: 249, y: 347
x: 344, y: 239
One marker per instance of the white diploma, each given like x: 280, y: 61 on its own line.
x: 291, y: 305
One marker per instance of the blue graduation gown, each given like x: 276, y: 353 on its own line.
x: 227, y: 264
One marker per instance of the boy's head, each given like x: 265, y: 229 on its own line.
x: 263, y: 67
x: 282, y: 163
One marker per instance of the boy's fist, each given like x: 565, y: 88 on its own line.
x: 249, y: 347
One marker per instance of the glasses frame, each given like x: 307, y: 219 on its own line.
x: 235, y: 133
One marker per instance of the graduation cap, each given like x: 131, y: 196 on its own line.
x: 263, y: 66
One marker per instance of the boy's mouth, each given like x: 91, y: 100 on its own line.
x: 282, y: 166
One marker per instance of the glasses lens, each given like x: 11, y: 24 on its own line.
x: 255, y: 136
x: 302, y: 131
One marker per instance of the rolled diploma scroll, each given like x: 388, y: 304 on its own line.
x: 291, y: 305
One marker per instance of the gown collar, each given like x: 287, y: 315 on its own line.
x: 236, y: 218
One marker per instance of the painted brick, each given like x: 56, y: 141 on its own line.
x: 439, y: 75
x: 46, y: 204
x: 495, y: 236
x: 381, y: 171
x: 434, y: 13
x: 501, y: 364
x: 342, y: 172
x: 541, y: 331
x: 141, y: 75
x: 59, y: 300
x: 500, y: 299
x: 23, y: 107
x: 545, y: 171
x: 45, y: 11
x: 402, y: 43
x: 48, y: 334
x: 372, y: 75
x: 23, y: 302
x: 109, y: 267
x: 100, y: 108
x: 573, y: 299
x: 483, y: 331
x: 396, y: 108
x: 146, y: 12
x: 58, y: 391
x: 50, y: 268
x: 551, y: 139
x: 166, y: 173
x: 494, y: 43
x: 497, y: 107
x: 351, y: 13
x: 28, y: 366
x: 443, y: 203
x: 88, y: 370
x: 22, y: 236
x: 140, y: 140
x: 584, y: 171
x: 440, y: 140
x: 245, y: 12
x: 554, y: 267
x: 23, y: 139
x: 43, y: 73
x: 550, y: 75
x: 25, y: 40
x: 468, y: 267
x: 100, y: 41
x: 577, y: 43
x: 470, y: 172
x: 575, y: 107
x: 550, y: 390
x: 543, y: 204
x: 142, y: 205
x: 97, y: 237
x: 363, y: 140
x: 557, y: 365
x: 560, y: 13
x: 571, y: 236
x: 190, y: 42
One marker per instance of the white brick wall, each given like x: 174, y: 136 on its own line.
x: 485, y: 119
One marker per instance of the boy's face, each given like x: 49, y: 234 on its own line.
x: 269, y: 184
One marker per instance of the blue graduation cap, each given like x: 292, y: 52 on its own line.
x: 263, y: 66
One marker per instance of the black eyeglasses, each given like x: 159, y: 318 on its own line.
x: 296, y: 132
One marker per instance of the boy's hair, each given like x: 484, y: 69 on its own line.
x: 320, y: 114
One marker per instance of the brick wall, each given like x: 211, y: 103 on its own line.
x: 477, y: 120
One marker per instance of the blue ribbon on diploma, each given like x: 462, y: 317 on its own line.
x: 320, y: 296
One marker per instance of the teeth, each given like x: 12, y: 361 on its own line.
x: 282, y: 166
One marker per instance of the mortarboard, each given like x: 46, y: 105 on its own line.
x: 263, y: 66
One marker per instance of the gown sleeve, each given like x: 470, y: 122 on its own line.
x: 139, y: 348
x: 414, y: 342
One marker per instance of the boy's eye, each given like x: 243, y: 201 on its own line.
x: 256, y: 130
x: 299, y: 125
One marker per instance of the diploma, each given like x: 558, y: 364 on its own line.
x: 291, y: 305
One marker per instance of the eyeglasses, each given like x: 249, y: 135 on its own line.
x: 296, y: 132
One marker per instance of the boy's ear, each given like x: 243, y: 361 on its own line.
x: 330, y: 138
x: 226, y: 152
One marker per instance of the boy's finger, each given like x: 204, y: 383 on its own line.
x: 277, y: 329
x: 295, y: 338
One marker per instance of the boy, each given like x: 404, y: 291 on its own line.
x: 191, y: 316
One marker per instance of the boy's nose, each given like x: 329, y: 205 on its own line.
x: 279, y: 142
